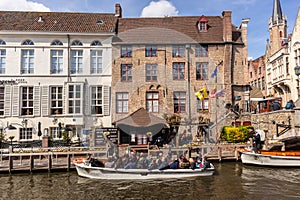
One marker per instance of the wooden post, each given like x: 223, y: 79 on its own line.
x: 49, y: 162
x: 11, y: 163
x: 236, y: 153
x: 31, y: 162
x: 68, y: 162
x: 220, y: 153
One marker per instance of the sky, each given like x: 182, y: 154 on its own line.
x: 259, y: 12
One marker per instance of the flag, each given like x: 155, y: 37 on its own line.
x: 202, y: 93
x: 220, y: 93
x: 214, y: 72
x: 214, y: 90
x: 284, y: 42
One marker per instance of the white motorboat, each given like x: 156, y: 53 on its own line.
x: 86, y: 170
x: 284, y: 159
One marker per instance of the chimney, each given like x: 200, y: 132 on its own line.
x: 118, y: 10
x: 227, y: 26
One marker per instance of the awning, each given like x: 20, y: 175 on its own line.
x: 141, y: 122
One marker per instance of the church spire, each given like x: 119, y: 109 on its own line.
x: 277, y: 16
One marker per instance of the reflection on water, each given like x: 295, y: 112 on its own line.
x: 231, y: 181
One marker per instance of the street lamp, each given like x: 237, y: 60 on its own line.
x: 188, y: 47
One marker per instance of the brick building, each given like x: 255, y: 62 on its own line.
x: 160, y: 63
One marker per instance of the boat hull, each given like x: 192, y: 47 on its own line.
x: 84, y: 170
x: 270, y: 160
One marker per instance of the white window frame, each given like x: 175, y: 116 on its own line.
x: 27, y: 61
x: 57, y: 57
x: 96, y: 61
x: 75, y: 103
x: 2, y: 61
x: 77, y: 61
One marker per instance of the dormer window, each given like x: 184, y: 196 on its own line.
x: 202, y: 24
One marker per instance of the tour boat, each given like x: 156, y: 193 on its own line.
x: 84, y: 169
x: 274, y: 157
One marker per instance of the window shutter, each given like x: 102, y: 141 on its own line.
x: 65, y: 99
x: 7, y: 101
x: 45, y: 100
x: 106, y: 100
x: 15, y: 101
x: 86, y: 100
x: 37, y: 101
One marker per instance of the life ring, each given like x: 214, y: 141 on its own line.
x: 78, y: 160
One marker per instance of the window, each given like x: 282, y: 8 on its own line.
x: 151, y: 72
x: 96, y: 43
x: 263, y: 86
x: 202, y: 105
x: 2, y: 90
x: 151, y: 51
x: 152, y: 102
x: 259, y: 70
x: 25, y: 134
x: 27, y: 65
x: 54, y: 132
x: 56, y: 61
x: 179, y: 102
x: 97, y: 100
x: 56, y: 100
x: 27, y: 42
x: 2, y: 42
x: 122, y: 102
x: 126, y: 51
x: 126, y: 72
x: 2, y: 61
x: 287, y: 65
x: 178, y: 71
x: 74, y: 99
x: 202, y: 71
x: 96, y: 61
x: 250, y: 74
x: 56, y: 43
x: 201, y: 51
x: 258, y: 84
x: 76, y: 43
x: 27, y: 101
x: 77, y: 59
x: 202, y: 26
x: 178, y: 51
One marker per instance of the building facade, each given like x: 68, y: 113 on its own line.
x: 281, y: 57
x: 188, y: 68
x: 55, y: 72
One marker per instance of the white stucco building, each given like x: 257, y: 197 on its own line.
x: 55, y: 68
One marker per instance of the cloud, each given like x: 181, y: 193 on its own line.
x: 22, y: 5
x: 159, y: 9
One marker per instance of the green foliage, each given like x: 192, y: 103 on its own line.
x: 236, y: 134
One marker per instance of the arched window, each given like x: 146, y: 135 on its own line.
x: 56, y: 42
x: 28, y: 42
x: 76, y: 43
x: 2, y: 42
x: 280, y: 34
x: 96, y: 43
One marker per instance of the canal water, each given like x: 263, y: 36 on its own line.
x: 231, y: 181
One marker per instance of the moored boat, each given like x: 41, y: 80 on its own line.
x: 282, y: 159
x: 289, y: 157
x: 84, y: 169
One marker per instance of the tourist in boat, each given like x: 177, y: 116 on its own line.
x: 192, y: 163
x: 153, y: 165
x: 164, y: 164
x: 174, y: 164
x: 132, y: 162
x: 110, y: 163
x: 205, y: 164
x: 198, y: 162
x: 184, y: 163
